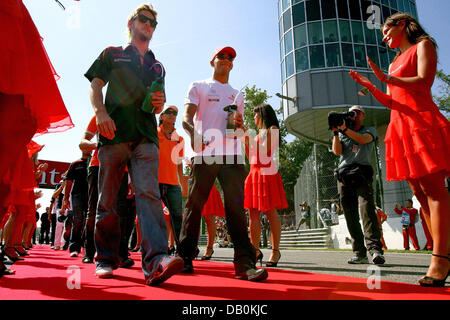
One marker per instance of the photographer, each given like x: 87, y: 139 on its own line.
x: 354, y: 143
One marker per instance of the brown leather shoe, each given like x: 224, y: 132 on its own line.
x: 252, y: 274
x: 167, y: 268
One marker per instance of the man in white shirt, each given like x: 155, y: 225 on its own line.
x: 217, y: 154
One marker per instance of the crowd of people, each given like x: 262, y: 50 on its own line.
x: 124, y: 179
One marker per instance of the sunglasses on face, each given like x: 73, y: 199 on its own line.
x: 143, y: 18
x: 222, y: 56
x: 171, y: 112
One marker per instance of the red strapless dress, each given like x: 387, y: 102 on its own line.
x: 418, y: 136
x: 263, y: 186
x: 214, y: 204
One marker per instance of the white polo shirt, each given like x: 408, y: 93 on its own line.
x: 210, y: 97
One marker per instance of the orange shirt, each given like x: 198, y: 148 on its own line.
x: 170, y: 154
x: 92, y: 129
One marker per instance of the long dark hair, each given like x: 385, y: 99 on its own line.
x: 413, y: 29
x: 268, y: 117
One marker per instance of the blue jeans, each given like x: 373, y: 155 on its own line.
x: 171, y: 196
x: 143, y: 161
x: 79, y: 206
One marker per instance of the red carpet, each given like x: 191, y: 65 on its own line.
x: 44, y: 275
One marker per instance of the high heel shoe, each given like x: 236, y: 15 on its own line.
x: 259, y: 257
x: 21, y: 251
x: 10, y: 252
x: 205, y: 257
x: 427, y: 281
x: 274, y: 263
x: 4, y: 270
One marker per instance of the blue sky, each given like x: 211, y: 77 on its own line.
x: 186, y: 35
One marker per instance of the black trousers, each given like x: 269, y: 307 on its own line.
x: 356, y: 200
x: 231, y: 177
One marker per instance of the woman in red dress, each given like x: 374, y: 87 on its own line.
x: 264, y: 190
x: 213, y: 208
x: 30, y: 102
x: 418, y: 137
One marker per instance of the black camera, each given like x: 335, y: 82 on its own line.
x: 336, y: 119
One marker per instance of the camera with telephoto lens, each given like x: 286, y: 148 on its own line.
x: 336, y: 119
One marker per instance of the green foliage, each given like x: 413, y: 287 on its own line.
x: 443, y: 98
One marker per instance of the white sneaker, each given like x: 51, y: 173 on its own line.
x: 74, y: 254
x: 56, y: 248
x: 103, y: 272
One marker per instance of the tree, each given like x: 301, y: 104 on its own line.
x: 443, y: 99
x: 291, y: 155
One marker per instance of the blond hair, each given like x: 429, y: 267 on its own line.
x: 142, y: 7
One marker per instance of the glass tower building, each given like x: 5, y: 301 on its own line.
x: 320, y: 41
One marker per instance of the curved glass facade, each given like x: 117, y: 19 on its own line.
x: 322, y: 34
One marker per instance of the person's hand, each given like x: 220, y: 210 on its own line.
x: 376, y: 70
x: 238, y: 120
x: 43, y: 167
x: 158, y: 99
x: 397, y: 206
x: 360, y: 79
x: 341, y: 127
x: 197, y: 143
x: 105, y: 125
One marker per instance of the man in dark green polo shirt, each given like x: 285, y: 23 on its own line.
x: 355, y: 145
x: 128, y: 135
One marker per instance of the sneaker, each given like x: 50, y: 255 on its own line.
x: 378, y: 258
x: 87, y: 260
x: 74, y: 254
x: 56, y: 247
x: 358, y: 260
x: 103, y: 271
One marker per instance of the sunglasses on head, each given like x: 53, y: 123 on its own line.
x: 222, y: 56
x: 143, y: 18
x: 171, y: 112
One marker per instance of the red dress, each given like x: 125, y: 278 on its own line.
x: 214, y: 204
x: 263, y: 185
x: 30, y: 101
x: 418, y: 136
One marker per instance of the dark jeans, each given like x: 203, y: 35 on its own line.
x: 231, y: 178
x: 68, y: 227
x: 53, y: 228
x: 361, y: 197
x: 171, y: 196
x: 79, y: 208
x: 44, y: 236
x: 92, y: 210
x: 143, y: 160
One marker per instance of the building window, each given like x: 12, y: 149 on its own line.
x: 279, y: 8
x: 328, y: 9
x: 394, y: 4
x: 342, y: 9
x: 372, y: 53
x: 315, y: 32
x: 392, y: 55
x: 282, y: 49
x: 357, y: 32
x: 413, y: 10
x: 287, y: 21
x: 347, y: 55
x: 330, y: 31
x: 283, y: 72
x: 385, y: 2
x: 365, y: 4
x: 370, y: 35
x: 384, y: 61
x: 286, y: 4
x: 386, y: 12
x: 300, y: 36
x: 344, y: 28
x: 281, y: 28
x: 355, y: 12
x: 301, y: 60
x: 296, y: 1
x: 316, y: 56
x: 313, y: 10
x: 298, y: 13
x: 289, y: 65
x: 401, y: 7
x: 288, y: 46
x: 333, y: 55
x: 360, y: 56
